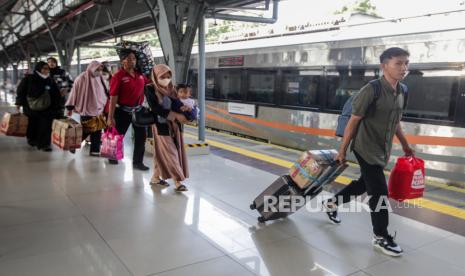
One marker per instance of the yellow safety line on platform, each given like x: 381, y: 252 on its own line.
x: 351, y: 164
x: 445, y: 198
x: 446, y: 187
x: 422, y: 202
x: 259, y: 156
x: 438, y: 207
x: 249, y: 140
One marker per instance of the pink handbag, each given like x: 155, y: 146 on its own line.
x: 112, y: 144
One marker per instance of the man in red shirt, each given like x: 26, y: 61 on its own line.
x: 126, y: 94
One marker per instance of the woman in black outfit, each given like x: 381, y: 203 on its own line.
x: 31, y: 88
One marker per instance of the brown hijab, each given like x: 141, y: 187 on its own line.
x: 158, y: 71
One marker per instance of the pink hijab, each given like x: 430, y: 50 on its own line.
x: 158, y: 71
x: 88, y: 94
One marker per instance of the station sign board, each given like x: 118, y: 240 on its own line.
x: 241, y: 109
x: 231, y: 61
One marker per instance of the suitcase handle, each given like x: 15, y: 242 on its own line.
x: 319, y: 181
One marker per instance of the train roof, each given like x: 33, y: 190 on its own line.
x: 436, y: 26
x: 440, y: 26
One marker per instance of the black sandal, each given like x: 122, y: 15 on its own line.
x: 181, y: 188
x: 162, y: 182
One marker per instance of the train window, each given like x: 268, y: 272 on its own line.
x: 432, y: 94
x: 277, y: 58
x: 229, y: 84
x: 262, y: 58
x: 301, y: 89
x: 192, y: 79
x: 261, y: 87
x: 209, y: 84
x: 343, y: 83
x: 303, y: 57
x: 289, y: 56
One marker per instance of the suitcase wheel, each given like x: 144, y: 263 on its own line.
x: 261, y: 219
x: 253, y: 206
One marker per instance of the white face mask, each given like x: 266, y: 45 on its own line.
x: 42, y: 75
x: 164, y: 82
x: 97, y: 73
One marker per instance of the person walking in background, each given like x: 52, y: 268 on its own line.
x: 88, y: 99
x: 62, y: 79
x: 126, y: 95
x: 40, y: 98
x: 170, y: 159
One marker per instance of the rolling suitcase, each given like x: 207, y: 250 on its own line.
x: 282, y: 189
x: 286, y: 192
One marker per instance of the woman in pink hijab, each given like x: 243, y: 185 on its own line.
x: 88, y: 99
x: 170, y: 159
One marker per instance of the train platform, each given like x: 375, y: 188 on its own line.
x: 65, y: 214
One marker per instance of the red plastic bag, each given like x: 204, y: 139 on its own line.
x: 407, y: 179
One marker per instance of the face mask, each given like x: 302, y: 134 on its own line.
x: 42, y: 75
x: 97, y: 73
x: 164, y: 82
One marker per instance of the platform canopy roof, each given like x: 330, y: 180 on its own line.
x: 31, y: 28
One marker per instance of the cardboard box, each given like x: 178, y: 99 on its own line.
x: 14, y: 124
x: 311, y: 165
x: 66, y: 134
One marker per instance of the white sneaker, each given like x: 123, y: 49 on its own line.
x: 387, y: 245
x: 331, y: 212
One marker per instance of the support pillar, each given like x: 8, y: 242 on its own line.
x: 201, y: 80
x: 5, y: 75
x: 66, y: 56
x: 178, y: 22
x: 14, y: 78
x: 78, y: 50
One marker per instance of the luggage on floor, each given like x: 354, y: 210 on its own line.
x: 285, y: 197
x: 66, y: 134
x: 281, y: 193
x: 407, y: 179
x: 14, y: 124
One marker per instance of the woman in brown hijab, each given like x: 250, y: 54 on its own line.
x: 170, y: 159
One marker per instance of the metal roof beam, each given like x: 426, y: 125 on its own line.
x: 21, y: 46
x: 179, y: 21
x: 116, y: 24
x: 111, y: 20
x: 254, y: 19
x: 50, y: 32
